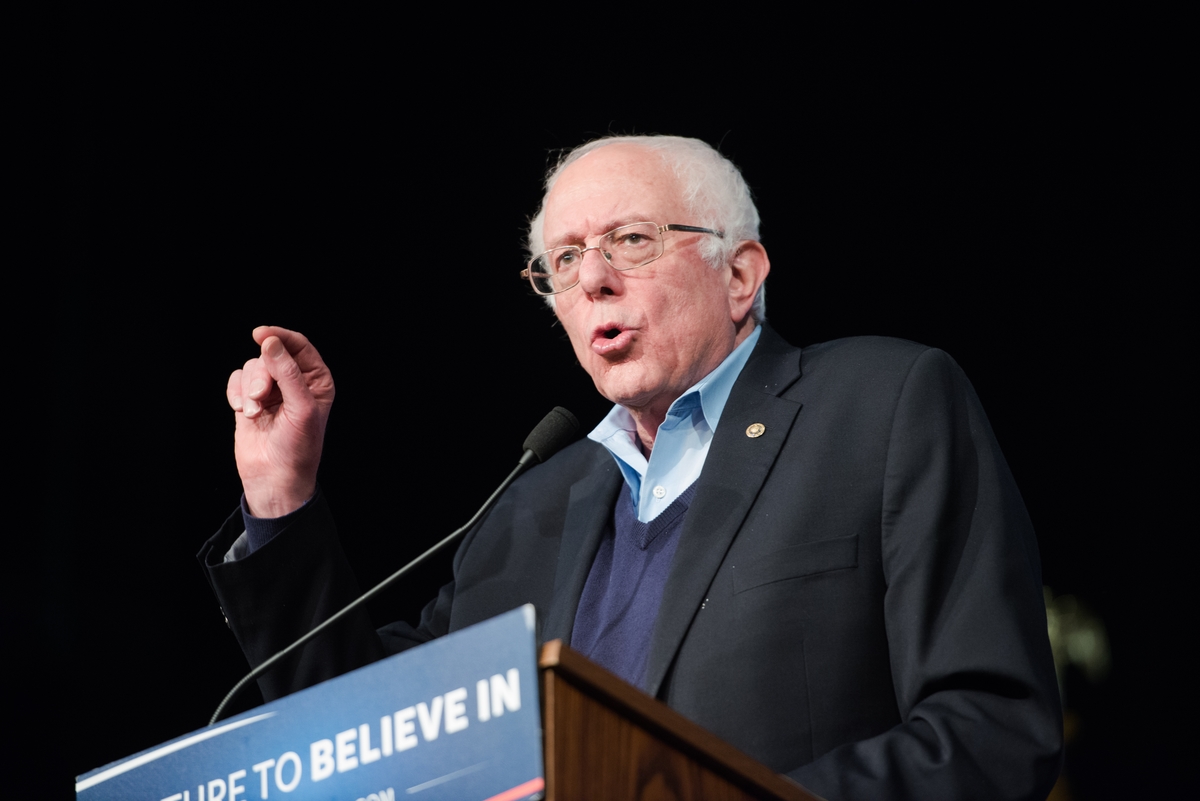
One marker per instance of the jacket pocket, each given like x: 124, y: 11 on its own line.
x: 810, y: 558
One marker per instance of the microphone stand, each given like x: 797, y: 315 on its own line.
x: 548, y: 437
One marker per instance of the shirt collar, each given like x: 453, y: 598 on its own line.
x: 618, y: 432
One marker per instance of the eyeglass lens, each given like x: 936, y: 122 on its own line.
x: 624, y: 248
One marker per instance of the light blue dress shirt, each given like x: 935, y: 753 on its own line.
x: 681, y: 445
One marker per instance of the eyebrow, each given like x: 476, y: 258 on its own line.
x: 574, y: 237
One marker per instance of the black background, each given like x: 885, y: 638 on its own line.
x: 1018, y: 204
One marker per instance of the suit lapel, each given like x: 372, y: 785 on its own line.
x: 734, y: 471
x: 589, y: 507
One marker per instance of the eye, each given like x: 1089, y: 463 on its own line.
x: 632, y: 240
x: 565, y: 259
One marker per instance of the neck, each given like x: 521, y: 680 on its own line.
x: 649, y: 418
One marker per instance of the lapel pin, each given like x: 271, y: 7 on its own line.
x: 755, y: 430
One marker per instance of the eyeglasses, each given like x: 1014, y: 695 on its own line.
x: 624, y: 248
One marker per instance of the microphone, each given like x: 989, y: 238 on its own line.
x: 556, y: 430
x: 549, y: 436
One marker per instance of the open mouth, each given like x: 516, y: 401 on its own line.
x: 609, y: 330
x: 611, y: 339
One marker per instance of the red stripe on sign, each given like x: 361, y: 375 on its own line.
x: 520, y: 791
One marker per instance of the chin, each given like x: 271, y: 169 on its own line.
x: 629, y: 394
x: 625, y: 382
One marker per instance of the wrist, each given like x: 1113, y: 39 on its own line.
x: 270, y: 501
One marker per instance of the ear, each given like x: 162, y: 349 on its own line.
x: 748, y: 269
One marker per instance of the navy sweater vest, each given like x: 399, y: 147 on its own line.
x: 624, y: 588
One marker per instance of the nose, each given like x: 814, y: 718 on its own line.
x: 596, y: 275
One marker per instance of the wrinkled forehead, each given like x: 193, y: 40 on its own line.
x: 607, y: 187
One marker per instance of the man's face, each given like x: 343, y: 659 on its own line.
x: 644, y: 335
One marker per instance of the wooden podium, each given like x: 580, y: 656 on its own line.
x: 606, y: 740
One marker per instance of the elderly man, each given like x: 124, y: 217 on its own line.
x: 818, y: 554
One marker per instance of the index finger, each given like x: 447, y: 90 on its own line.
x: 297, y: 345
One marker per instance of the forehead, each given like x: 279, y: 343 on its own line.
x: 611, y: 186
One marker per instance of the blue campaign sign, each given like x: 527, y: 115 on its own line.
x: 457, y: 718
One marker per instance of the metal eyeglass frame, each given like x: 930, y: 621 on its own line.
x: 527, y: 273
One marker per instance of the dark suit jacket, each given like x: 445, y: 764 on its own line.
x: 855, y: 599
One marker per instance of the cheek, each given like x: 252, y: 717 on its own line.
x: 694, y: 285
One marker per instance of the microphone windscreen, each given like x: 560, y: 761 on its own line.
x: 556, y: 430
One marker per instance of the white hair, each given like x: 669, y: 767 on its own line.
x: 714, y: 193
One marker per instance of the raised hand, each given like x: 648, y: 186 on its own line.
x: 281, y: 401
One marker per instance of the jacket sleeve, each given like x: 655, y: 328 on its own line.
x: 966, y: 626
x: 282, y: 590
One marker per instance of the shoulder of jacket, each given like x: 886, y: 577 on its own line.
x: 569, y: 465
x: 867, y: 352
